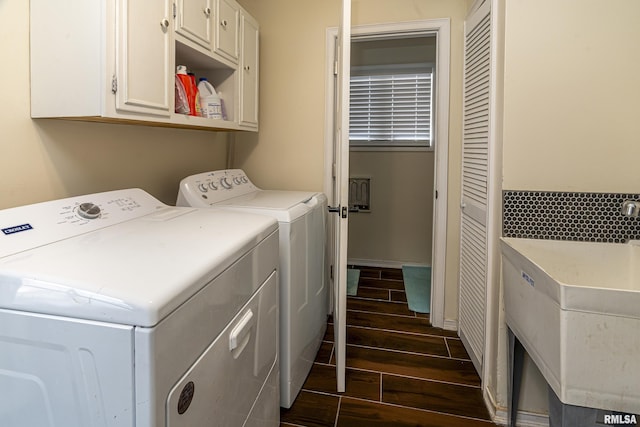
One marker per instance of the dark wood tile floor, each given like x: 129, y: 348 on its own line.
x: 400, y: 370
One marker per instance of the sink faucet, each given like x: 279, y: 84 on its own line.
x: 631, y: 208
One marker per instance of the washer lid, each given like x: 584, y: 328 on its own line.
x: 270, y: 199
x: 135, y: 272
x: 285, y: 206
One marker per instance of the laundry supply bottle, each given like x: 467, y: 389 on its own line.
x: 189, y: 87
x: 196, y: 96
x: 209, y: 100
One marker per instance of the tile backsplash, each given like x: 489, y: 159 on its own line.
x: 588, y: 217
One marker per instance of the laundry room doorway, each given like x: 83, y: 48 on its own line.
x: 398, y: 181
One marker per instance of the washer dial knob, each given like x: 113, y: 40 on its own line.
x: 202, y: 187
x: 237, y: 180
x: 225, y: 183
x: 89, y: 210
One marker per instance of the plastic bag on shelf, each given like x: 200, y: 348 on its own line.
x: 182, y: 101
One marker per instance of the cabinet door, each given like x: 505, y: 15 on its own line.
x: 144, y: 78
x: 249, y: 72
x: 193, y: 21
x: 226, y: 43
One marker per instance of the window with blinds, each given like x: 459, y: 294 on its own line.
x: 391, y: 108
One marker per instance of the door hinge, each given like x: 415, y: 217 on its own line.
x: 174, y: 11
x: 114, y: 84
x: 331, y: 272
x: 335, y: 68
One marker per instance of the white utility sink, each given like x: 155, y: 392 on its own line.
x: 575, y: 307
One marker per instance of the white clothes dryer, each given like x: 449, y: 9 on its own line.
x: 301, y: 217
x: 118, y: 310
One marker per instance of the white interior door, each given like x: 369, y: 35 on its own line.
x: 475, y: 189
x: 341, y: 193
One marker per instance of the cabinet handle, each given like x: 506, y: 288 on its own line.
x: 224, y: 23
x: 207, y: 11
x: 246, y: 68
x: 164, y: 24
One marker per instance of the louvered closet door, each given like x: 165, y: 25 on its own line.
x: 475, y: 167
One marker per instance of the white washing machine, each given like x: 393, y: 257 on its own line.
x: 117, y: 310
x: 303, y: 289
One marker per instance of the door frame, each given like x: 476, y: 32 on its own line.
x: 442, y: 28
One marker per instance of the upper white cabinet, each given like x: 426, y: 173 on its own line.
x: 226, y: 43
x: 144, y: 57
x: 193, y: 21
x: 249, y: 72
x: 115, y: 60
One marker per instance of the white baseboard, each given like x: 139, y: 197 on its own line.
x: 450, y: 324
x: 490, y: 403
x: 382, y: 263
x: 524, y: 418
x: 374, y: 263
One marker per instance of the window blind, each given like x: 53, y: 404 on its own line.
x: 391, y: 109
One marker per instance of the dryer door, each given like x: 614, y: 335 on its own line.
x: 224, y: 383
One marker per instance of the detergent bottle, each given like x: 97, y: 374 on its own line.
x: 209, y: 100
x: 196, y: 96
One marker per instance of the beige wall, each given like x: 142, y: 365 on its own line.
x: 49, y: 159
x: 571, y: 95
x: 288, y: 152
x: 399, y: 227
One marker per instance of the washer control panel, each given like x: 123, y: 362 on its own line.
x: 27, y: 227
x: 208, y: 188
